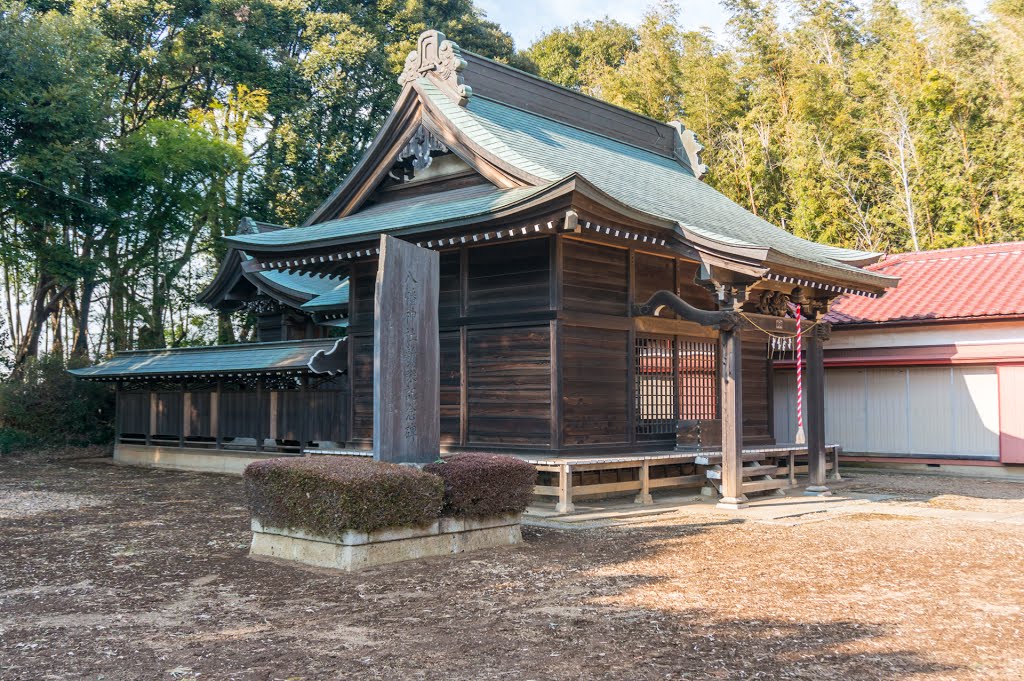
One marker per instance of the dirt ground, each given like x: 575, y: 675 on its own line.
x: 117, y: 573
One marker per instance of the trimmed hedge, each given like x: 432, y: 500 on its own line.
x: 479, y: 485
x: 327, y: 495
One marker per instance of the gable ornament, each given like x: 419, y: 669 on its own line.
x: 440, y: 60
x: 417, y: 154
x: 687, y: 149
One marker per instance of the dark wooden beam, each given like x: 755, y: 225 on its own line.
x: 720, y: 319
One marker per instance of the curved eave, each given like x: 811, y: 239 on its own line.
x: 840, y: 274
x: 227, y: 277
x: 404, y: 114
x: 282, y: 294
x: 536, y: 199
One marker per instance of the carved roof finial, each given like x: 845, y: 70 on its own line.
x: 442, y: 61
x: 687, y: 149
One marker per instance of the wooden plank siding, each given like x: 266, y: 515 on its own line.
x: 509, y: 386
x: 508, y: 278
x: 595, y: 386
x: 451, y: 386
x: 361, y: 391
x: 595, y: 278
x: 758, y: 422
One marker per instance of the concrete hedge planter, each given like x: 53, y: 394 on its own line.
x: 351, y: 514
x: 357, y: 550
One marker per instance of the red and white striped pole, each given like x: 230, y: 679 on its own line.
x: 800, y: 437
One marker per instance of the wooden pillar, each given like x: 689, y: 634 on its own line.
x: 302, y: 428
x: 215, y: 415
x: 186, y: 408
x: 260, y: 426
x: 275, y: 396
x: 565, y: 504
x: 731, y: 392
x: 645, y: 484
x: 814, y: 398
x: 153, y: 403
x: 118, y: 414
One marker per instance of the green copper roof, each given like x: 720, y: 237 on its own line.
x: 387, y: 217
x: 639, y: 178
x: 335, y: 298
x: 302, y: 283
x: 219, y: 359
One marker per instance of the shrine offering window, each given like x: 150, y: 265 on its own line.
x: 698, y: 378
x: 655, y: 385
x: 676, y: 378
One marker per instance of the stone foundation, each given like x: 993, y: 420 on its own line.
x: 187, y: 459
x: 359, y: 550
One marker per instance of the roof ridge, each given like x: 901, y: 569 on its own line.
x: 682, y: 164
x: 582, y: 95
x: 971, y: 256
x: 931, y: 251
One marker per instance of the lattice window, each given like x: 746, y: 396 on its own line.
x: 698, y: 378
x: 655, y: 386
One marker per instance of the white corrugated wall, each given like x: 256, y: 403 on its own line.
x: 936, y: 411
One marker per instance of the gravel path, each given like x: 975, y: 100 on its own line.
x: 115, y: 573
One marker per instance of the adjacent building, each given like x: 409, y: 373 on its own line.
x: 933, y: 373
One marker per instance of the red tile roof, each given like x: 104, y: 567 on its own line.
x: 976, y: 282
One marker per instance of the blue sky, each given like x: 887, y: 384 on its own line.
x: 526, y: 20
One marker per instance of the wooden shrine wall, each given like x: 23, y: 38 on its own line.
x: 495, y: 340
x: 538, y: 347
x: 250, y: 413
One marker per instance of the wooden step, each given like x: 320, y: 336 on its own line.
x: 748, y: 471
x: 764, y: 485
x: 716, y: 459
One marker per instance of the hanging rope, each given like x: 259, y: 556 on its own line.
x: 800, y: 437
x: 776, y: 334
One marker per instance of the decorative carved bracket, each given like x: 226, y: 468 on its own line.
x: 721, y: 320
x: 334, y: 361
x: 688, y: 149
x: 416, y: 154
x: 442, y: 61
x: 774, y: 303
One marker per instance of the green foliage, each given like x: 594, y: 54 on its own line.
x: 579, y: 56
x: 861, y: 126
x: 134, y: 134
x: 50, y: 408
x: 482, y: 485
x: 327, y: 495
